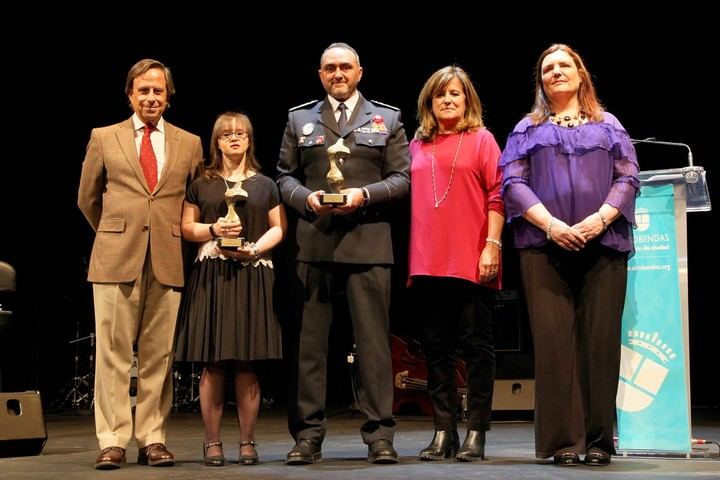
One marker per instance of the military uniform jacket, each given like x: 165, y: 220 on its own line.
x: 125, y: 214
x: 379, y: 161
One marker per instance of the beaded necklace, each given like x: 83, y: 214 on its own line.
x: 567, y: 120
x: 452, y: 171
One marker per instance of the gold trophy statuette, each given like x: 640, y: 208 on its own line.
x: 337, y: 154
x: 233, y: 196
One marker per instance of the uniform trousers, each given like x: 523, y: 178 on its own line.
x: 366, y: 288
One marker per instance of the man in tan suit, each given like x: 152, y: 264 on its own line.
x: 131, y: 191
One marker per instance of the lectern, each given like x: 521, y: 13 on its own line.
x: 653, y: 400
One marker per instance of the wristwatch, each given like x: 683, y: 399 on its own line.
x: 366, y: 197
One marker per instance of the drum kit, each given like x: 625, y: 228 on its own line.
x: 77, y: 394
x: 186, y: 381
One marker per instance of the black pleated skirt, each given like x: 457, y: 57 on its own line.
x: 227, y: 313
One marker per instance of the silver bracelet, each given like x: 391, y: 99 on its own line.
x: 548, y: 233
x: 494, y: 242
x: 604, y: 220
x: 255, y: 252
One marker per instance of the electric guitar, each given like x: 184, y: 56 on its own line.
x: 410, y: 374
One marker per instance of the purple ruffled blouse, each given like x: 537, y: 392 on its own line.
x: 572, y: 171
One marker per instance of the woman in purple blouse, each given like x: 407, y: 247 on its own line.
x: 569, y: 186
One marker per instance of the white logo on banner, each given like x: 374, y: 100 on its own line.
x: 642, y: 219
x: 641, y: 377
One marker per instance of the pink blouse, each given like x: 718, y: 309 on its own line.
x: 446, y: 240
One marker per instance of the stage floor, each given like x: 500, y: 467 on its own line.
x: 71, y: 450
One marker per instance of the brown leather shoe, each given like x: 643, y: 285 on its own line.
x: 110, y: 458
x: 155, y: 455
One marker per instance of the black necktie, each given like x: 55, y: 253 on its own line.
x: 342, y: 121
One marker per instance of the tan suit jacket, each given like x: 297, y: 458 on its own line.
x: 125, y: 214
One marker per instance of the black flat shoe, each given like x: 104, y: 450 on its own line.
x: 252, y: 459
x: 473, y: 448
x: 213, y: 460
x: 382, y: 451
x: 597, y: 458
x: 443, y: 445
x: 567, y: 459
x: 304, y: 452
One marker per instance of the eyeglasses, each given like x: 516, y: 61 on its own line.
x: 227, y: 136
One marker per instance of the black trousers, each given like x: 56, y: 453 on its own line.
x: 366, y: 288
x: 457, y: 323
x: 575, y: 303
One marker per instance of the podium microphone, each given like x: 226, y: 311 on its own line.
x: 673, y: 144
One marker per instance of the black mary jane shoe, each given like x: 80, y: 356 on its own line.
x: 443, y: 445
x: 473, y: 448
x: 597, y: 458
x: 213, y: 460
x: 567, y: 459
x: 252, y: 459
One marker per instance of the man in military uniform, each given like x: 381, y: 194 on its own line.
x: 343, y: 247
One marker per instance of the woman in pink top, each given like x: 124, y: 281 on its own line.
x: 455, y: 251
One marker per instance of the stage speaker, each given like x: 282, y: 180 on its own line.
x: 514, y: 394
x: 22, y: 425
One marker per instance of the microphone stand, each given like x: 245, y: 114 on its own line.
x: 654, y: 141
x: 691, y: 172
x: 692, y: 177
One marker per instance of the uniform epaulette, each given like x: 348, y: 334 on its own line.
x: 385, y: 105
x: 296, y: 107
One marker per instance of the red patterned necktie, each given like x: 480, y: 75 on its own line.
x: 148, y: 161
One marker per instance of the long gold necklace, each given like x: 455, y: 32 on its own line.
x: 452, y: 171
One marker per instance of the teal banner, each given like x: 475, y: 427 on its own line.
x: 652, y: 400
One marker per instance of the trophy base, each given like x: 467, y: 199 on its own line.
x: 333, y: 199
x: 231, y: 243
